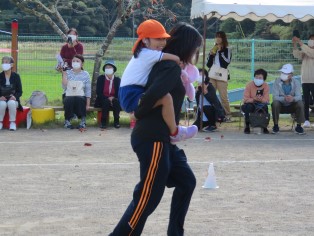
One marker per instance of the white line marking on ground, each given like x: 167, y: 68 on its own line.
x: 136, y: 163
x: 93, y: 141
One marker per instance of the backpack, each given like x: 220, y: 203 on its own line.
x: 38, y: 99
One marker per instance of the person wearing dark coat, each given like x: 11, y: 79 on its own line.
x: 10, y: 92
x: 107, y: 89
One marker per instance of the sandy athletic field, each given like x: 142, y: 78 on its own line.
x: 51, y: 184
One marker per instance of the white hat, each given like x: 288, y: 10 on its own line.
x: 287, y: 69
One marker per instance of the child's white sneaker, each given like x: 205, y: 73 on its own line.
x: 12, y: 126
x: 306, y: 124
x: 184, y: 133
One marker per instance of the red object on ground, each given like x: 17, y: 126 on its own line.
x: 21, y: 117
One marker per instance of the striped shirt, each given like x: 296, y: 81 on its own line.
x: 81, y: 76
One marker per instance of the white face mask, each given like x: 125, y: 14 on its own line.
x: 258, y: 82
x: 284, y: 77
x: 199, y: 79
x: 6, y: 67
x: 73, y: 37
x: 109, y: 71
x: 76, y: 65
x: 310, y: 43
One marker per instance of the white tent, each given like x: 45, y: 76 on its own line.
x: 271, y: 10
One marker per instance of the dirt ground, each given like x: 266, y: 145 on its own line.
x: 52, y: 184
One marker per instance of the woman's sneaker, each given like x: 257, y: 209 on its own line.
x: 299, y: 130
x: 184, y: 133
x: 67, y: 124
x: 212, y: 128
x: 275, y: 129
x: 306, y: 124
x: 12, y: 126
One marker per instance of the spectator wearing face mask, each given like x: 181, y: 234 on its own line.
x: 77, y: 86
x: 71, y: 48
x: 212, y: 108
x: 10, y: 92
x: 107, y: 90
x: 306, y: 54
x: 287, y: 98
x: 256, y: 96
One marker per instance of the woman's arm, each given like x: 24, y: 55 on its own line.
x: 225, y: 55
x: 79, y: 49
x: 64, y: 79
x: 265, y: 98
x: 247, y: 94
x: 164, y: 76
x: 18, y: 87
x: 172, y: 57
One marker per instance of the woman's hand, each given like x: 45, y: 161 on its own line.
x: 258, y: 98
x: 12, y: 97
x: 205, y: 90
x: 3, y: 98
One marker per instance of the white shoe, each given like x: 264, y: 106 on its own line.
x: 306, y: 124
x: 184, y: 133
x: 1, y: 125
x: 12, y: 126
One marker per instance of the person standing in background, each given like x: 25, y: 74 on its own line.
x: 306, y: 54
x: 71, y: 48
x: 220, y: 55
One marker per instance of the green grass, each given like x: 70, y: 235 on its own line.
x: 36, y: 61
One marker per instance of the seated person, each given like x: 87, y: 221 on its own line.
x: 77, y: 85
x: 287, y: 98
x: 107, y: 90
x: 10, y: 92
x: 256, y: 96
x: 212, y: 108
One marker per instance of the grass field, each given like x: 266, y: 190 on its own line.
x: 36, y: 61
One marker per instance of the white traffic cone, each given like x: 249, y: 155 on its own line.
x: 210, y: 181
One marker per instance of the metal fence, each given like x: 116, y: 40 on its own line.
x: 36, y: 59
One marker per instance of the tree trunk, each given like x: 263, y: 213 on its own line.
x: 123, y: 14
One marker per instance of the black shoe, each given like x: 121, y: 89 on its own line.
x: 265, y: 131
x: 212, y: 128
x: 275, y: 129
x: 299, y: 130
x: 247, y: 130
x: 103, y: 126
x: 116, y: 125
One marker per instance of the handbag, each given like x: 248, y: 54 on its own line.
x: 218, y: 73
x: 7, y: 90
x: 75, y: 88
x: 259, y: 118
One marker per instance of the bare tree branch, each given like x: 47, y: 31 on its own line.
x: 24, y: 7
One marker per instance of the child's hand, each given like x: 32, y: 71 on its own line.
x: 184, y: 77
x: 181, y: 64
x: 132, y: 116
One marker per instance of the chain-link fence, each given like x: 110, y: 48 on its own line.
x: 36, y: 60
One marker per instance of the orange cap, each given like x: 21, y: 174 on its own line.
x: 150, y: 29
